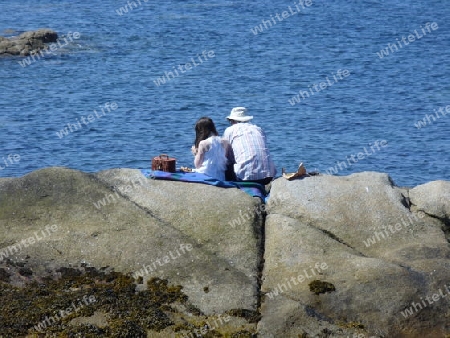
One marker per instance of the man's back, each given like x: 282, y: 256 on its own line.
x: 253, y: 161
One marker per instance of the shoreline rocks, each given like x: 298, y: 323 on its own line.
x: 328, y: 256
x: 26, y: 43
x: 382, y: 256
x: 140, y: 227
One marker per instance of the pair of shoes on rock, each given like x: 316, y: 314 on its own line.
x: 301, y: 172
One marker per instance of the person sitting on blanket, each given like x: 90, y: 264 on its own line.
x: 248, y: 141
x: 212, y: 153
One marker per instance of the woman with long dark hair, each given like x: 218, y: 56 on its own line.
x: 212, y: 153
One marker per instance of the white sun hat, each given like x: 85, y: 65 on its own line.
x: 239, y: 114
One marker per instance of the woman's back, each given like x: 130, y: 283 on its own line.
x: 214, y: 160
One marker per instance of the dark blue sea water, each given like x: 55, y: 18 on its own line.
x: 118, y: 58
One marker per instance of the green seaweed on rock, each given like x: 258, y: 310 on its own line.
x: 116, y: 308
x: 45, y: 307
x: 318, y: 287
x: 249, y: 315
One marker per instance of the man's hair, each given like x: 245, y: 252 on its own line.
x: 203, y: 129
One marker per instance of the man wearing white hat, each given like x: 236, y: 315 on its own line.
x: 253, y: 161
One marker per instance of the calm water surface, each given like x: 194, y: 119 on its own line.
x: 118, y: 59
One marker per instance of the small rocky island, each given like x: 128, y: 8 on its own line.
x: 26, y: 43
x: 116, y: 254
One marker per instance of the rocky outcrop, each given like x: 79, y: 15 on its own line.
x: 432, y: 198
x: 374, y: 262
x: 225, y: 258
x: 350, y: 256
x: 171, y: 230
x: 26, y: 43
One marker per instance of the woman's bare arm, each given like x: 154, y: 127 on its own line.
x: 203, y: 147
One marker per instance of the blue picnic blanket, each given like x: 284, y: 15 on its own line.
x: 251, y: 188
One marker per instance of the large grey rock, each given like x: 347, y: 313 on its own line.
x: 100, y: 224
x: 201, y: 212
x: 378, y: 250
x: 432, y: 198
x: 379, y: 256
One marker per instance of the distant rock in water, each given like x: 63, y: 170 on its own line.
x: 26, y: 43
